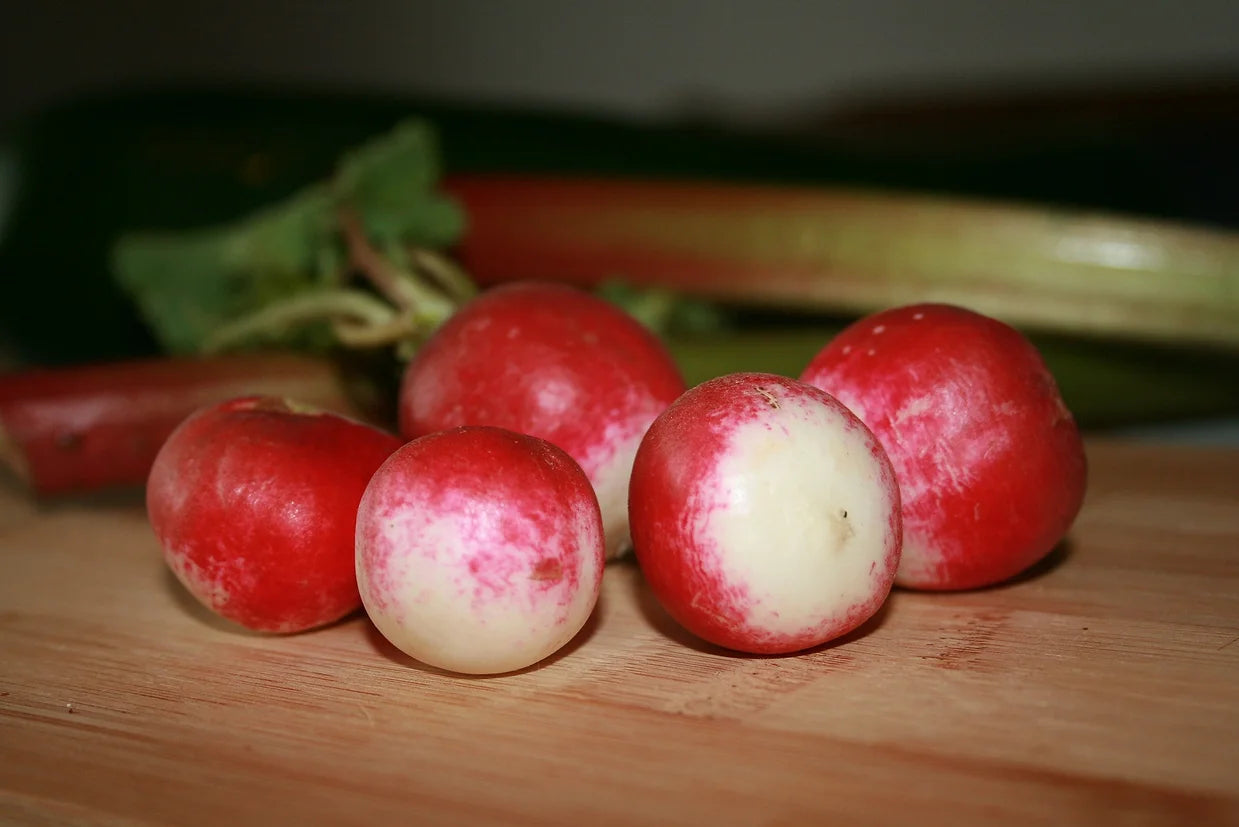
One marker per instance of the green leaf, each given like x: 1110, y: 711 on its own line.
x: 390, y: 184
x: 187, y: 285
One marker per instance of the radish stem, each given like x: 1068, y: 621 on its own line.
x: 298, y: 310
x: 398, y: 286
x: 446, y: 273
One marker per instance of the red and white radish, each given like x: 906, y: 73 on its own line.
x: 553, y: 362
x: 254, y: 502
x: 990, y: 462
x: 765, y: 516
x: 479, y: 550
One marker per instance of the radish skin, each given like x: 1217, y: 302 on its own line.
x: 254, y: 502
x: 990, y: 463
x: 555, y: 363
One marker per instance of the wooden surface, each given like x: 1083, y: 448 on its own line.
x: 1103, y: 689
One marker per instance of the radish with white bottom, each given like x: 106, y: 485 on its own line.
x: 990, y: 462
x: 553, y: 362
x: 479, y: 550
x: 765, y: 515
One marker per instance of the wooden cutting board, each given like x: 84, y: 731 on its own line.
x: 1101, y: 689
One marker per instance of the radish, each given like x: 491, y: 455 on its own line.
x: 553, y: 362
x: 765, y: 516
x: 990, y: 463
x: 254, y: 500
x: 479, y: 550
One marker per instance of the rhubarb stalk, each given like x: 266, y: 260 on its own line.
x: 88, y: 427
x: 854, y: 251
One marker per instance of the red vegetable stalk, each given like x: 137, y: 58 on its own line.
x: 835, y: 249
x: 89, y: 427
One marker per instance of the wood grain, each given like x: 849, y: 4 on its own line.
x: 1101, y: 688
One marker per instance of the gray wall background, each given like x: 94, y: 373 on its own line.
x: 642, y: 58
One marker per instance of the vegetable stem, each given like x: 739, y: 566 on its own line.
x: 399, y: 287
x: 447, y: 274
x: 847, y: 251
x: 89, y: 427
x: 321, y: 305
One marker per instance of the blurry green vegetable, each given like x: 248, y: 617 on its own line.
x: 289, y: 274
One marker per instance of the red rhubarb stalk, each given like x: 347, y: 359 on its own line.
x: 842, y: 250
x: 89, y: 427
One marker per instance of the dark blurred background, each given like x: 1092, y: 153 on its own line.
x: 1131, y: 106
x: 745, y: 60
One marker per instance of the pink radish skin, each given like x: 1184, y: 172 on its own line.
x: 479, y: 550
x: 990, y: 462
x: 553, y: 362
x: 765, y: 516
x: 254, y: 500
